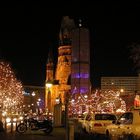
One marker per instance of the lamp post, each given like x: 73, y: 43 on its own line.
x: 48, y: 85
x: 67, y: 96
x: 33, y: 107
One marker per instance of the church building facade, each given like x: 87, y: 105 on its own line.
x: 72, y: 72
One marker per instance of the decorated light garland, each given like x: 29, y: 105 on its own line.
x: 103, y: 102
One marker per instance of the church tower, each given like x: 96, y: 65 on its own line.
x: 50, y: 67
x: 49, y: 80
x: 63, y: 70
x: 73, y: 63
x: 62, y: 73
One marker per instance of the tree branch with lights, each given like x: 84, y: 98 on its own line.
x: 11, y: 96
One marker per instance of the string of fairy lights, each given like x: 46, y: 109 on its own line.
x: 108, y: 101
x: 11, y: 96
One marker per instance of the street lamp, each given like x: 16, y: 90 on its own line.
x: 33, y: 93
x: 49, y: 85
x: 33, y: 108
x: 57, y: 100
x: 122, y: 91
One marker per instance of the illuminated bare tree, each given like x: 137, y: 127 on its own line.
x: 108, y: 101
x: 11, y: 96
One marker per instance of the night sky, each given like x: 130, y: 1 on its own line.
x: 27, y: 32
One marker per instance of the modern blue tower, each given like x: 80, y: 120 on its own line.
x: 80, y: 64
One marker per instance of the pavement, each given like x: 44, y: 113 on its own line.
x: 59, y: 133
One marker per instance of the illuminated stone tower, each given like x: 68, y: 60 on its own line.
x: 63, y: 67
x: 63, y: 70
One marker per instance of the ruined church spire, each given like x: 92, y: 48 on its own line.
x: 67, y: 25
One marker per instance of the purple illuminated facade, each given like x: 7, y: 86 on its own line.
x: 80, y: 65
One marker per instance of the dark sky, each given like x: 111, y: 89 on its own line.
x: 27, y: 32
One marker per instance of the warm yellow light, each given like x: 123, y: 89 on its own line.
x: 85, y: 96
x: 57, y: 100
x: 21, y: 118
x: 8, y: 120
x: 121, y: 90
x: 33, y: 93
x: 14, y: 119
x: 4, y: 113
x: 48, y: 85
